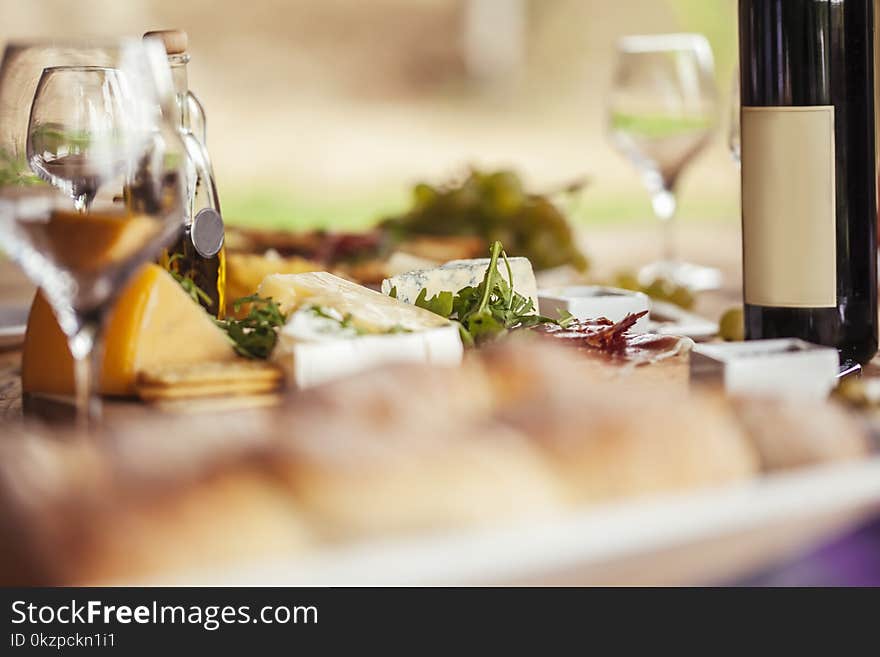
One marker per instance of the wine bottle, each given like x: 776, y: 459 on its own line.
x: 809, y: 203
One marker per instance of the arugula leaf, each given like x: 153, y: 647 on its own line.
x: 441, y: 304
x: 566, y: 319
x: 491, y: 309
x: 186, y: 281
x: 345, y: 322
x: 189, y: 286
x: 255, y: 335
x: 484, y: 325
x: 463, y: 301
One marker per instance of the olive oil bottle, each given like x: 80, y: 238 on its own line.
x: 198, y: 259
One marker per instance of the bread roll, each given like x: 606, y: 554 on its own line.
x: 786, y: 435
x: 616, y: 438
x: 410, y: 448
x: 489, y: 478
x: 83, y: 514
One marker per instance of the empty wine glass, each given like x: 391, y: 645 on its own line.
x: 98, y: 122
x: 77, y: 129
x: 662, y: 112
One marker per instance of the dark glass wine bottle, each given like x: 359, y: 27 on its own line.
x: 809, y: 172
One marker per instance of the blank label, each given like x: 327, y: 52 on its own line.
x: 789, y: 207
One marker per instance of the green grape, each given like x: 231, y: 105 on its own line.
x: 661, y: 289
x: 627, y: 280
x: 682, y: 297
x: 731, y: 327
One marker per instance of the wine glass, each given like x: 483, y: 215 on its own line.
x: 97, y: 121
x: 662, y: 113
x: 76, y: 128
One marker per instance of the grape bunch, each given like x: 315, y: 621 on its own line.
x: 495, y: 207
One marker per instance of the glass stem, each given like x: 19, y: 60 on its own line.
x: 665, y: 206
x: 86, y: 361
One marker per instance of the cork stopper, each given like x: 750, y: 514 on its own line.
x: 175, y: 41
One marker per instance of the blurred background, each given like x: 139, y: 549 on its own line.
x: 324, y: 112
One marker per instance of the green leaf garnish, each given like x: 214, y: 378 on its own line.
x: 441, y: 304
x: 345, y: 322
x: 186, y: 281
x: 489, y: 310
x: 255, y: 335
x: 566, y: 319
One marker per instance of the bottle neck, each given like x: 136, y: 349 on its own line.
x: 177, y: 63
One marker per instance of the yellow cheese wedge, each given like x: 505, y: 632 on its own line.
x: 245, y: 272
x: 154, y: 323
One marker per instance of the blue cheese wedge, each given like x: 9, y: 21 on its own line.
x: 336, y: 328
x: 459, y: 274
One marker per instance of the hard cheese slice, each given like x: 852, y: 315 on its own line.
x: 459, y: 274
x: 153, y: 324
x: 337, y: 328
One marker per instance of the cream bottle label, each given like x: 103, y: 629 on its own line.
x: 789, y: 207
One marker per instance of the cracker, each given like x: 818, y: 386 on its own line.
x: 212, y: 379
x: 201, y: 405
x: 210, y: 373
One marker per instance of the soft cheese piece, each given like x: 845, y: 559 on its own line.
x: 309, y: 364
x: 459, y: 274
x: 369, y: 310
x: 337, y: 328
x: 153, y: 323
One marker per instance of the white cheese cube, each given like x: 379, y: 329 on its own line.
x: 784, y: 367
x: 459, y: 274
